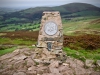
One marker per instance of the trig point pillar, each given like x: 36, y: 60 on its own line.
x: 50, y: 34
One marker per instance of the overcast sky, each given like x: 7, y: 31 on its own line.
x: 35, y: 3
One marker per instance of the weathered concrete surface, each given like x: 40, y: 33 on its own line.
x: 56, y: 39
x: 37, y: 61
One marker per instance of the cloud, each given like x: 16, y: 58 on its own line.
x: 34, y: 3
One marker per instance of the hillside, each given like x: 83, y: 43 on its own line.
x: 23, y: 19
x: 34, y: 13
x: 5, y: 10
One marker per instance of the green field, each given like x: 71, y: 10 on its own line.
x: 73, y: 26
x: 81, y: 25
x: 17, y: 27
x: 87, y: 24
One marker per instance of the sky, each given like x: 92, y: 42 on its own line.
x: 36, y: 3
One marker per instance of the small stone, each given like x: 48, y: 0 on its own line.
x: 98, y: 63
x: 17, y: 50
x: 37, y: 60
x: 62, y: 68
x: 19, y: 73
x: 89, y: 63
x: 54, y: 64
x: 31, y: 72
x: 48, y: 74
x: 95, y: 73
x: 31, y: 68
x: 65, y: 64
x: 30, y: 62
x: 54, y: 71
x: 19, y: 57
x: 33, y: 45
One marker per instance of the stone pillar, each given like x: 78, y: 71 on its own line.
x: 50, y: 34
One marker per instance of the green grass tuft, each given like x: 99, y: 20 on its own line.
x: 16, y: 41
x: 83, y: 54
x: 2, y: 52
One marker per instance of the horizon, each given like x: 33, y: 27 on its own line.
x: 43, y: 3
x: 21, y: 8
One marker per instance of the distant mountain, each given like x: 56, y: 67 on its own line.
x: 67, y: 11
x: 4, y: 10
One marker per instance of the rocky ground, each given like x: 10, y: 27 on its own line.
x: 36, y: 61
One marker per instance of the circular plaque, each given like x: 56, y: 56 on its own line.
x: 50, y: 28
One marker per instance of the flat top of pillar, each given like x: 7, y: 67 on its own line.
x: 51, y: 12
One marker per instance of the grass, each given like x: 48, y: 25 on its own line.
x: 6, y: 50
x: 81, y: 24
x: 2, y: 52
x: 83, y: 54
x: 16, y: 41
x: 69, y: 26
x: 16, y: 27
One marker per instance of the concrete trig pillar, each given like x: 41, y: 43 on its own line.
x: 50, y: 33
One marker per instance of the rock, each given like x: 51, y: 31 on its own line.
x: 68, y: 73
x: 54, y: 64
x: 89, y: 63
x: 41, y: 69
x: 57, y: 51
x: 40, y: 61
x: 98, y: 63
x: 54, y: 71
x: 71, y: 62
x: 20, y: 65
x: 33, y: 45
x: 62, y: 68
x: 20, y: 57
x: 48, y: 74
x: 95, y: 73
x: 19, y: 73
x: 31, y: 70
x: 27, y: 53
x: 30, y: 62
x: 46, y: 62
x: 79, y: 63
x: 31, y: 73
x: 37, y: 60
x: 17, y: 50
x: 33, y: 56
x: 9, y: 55
x: 65, y: 64
x: 80, y: 71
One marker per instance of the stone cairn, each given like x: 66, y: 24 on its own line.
x: 55, y: 41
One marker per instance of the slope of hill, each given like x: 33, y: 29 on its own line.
x: 34, y: 13
x: 82, y: 25
x: 4, y: 10
x: 30, y: 17
x: 67, y: 8
x: 76, y: 7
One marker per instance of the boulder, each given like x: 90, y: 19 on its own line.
x: 54, y: 64
x: 54, y: 71
x: 89, y: 63
x: 19, y: 73
x: 98, y: 63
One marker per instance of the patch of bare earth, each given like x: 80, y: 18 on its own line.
x: 41, y: 62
